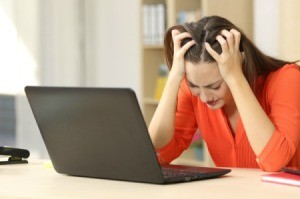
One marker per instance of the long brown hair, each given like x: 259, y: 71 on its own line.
x: 255, y: 64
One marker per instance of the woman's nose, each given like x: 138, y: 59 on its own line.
x: 205, y: 96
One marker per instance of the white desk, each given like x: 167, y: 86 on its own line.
x: 34, y: 180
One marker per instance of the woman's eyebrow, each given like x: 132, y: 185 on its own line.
x: 192, y: 84
x: 212, y: 84
x: 206, y: 86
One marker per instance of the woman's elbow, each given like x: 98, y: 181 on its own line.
x: 270, y: 168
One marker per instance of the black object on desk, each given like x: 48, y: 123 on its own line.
x: 293, y: 170
x: 16, y: 155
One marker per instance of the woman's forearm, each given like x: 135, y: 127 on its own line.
x: 161, y: 127
x: 259, y: 128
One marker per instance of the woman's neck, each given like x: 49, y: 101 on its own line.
x: 230, y: 110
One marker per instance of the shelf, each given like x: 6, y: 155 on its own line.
x: 153, y: 46
x: 151, y: 101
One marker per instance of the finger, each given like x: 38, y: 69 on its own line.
x: 237, y: 38
x: 229, y: 38
x: 182, y: 35
x: 187, y: 46
x: 178, y: 37
x: 174, y: 34
x: 211, y: 51
x: 223, y: 43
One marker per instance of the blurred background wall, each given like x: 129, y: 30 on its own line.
x: 97, y: 43
x: 64, y: 43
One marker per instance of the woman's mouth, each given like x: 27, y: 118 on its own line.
x: 212, y: 103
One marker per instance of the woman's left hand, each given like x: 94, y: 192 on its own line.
x: 231, y: 59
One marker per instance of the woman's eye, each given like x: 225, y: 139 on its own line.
x: 216, y: 88
x: 192, y: 86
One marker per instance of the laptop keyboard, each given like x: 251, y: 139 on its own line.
x: 171, y: 172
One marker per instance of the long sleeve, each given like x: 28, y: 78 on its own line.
x: 185, y: 127
x: 283, y: 108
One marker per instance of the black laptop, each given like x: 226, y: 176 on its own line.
x: 101, y: 133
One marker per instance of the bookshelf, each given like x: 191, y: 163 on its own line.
x: 176, y: 12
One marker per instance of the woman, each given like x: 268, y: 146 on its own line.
x: 245, y: 104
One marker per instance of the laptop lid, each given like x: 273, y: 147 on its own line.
x: 101, y: 133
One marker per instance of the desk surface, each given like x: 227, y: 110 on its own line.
x: 34, y: 180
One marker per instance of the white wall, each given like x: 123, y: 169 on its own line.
x: 277, y: 28
x: 116, y: 40
x: 60, y: 30
x: 68, y: 43
x: 266, y: 26
x: 19, y: 52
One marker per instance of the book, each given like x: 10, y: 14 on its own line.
x: 154, y: 23
x: 188, y: 16
x: 160, y: 81
x: 282, y: 178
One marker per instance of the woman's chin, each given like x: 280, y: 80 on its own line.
x: 215, y: 106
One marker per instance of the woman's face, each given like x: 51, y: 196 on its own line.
x: 206, y: 82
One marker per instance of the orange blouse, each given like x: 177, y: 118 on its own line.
x: 280, y: 100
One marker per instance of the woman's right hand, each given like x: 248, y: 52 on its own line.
x: 178, y: 55
x: 161, y: 127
